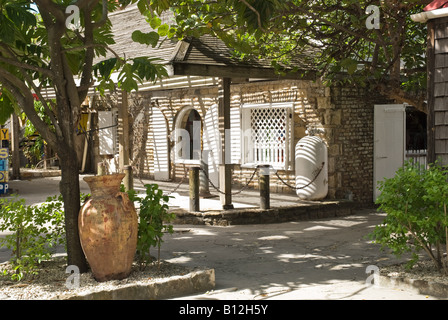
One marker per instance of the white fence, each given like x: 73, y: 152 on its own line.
x: 417, y: 157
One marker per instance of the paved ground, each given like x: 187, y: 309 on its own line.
x: 322, y: 259
x: 325, y: 259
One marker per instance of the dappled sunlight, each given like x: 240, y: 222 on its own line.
x: 183, y: 238
x: 315, y: 228
x: 273, y: 260
x: 179, y: 260
x: 274, y: 237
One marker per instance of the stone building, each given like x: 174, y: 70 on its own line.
x: 203, y: 78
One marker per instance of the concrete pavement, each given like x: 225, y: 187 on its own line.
x: 318, y: 259
x: 324, y: 259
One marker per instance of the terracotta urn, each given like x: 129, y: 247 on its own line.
x: 108, y: 227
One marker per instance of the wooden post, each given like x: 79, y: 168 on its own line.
x: 123, y: 130
x: 225, y: 168
x: 263, y: 176
x: 128, y: 179
x: 101, y: 169
x: 15, y: 147
x: 45, y: 156
x: 194, y: 189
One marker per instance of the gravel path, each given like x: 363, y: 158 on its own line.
x: 52, y: 281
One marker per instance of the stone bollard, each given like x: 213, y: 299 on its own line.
x: 194, y: 189
x: 263, y: 183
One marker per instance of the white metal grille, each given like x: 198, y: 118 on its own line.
x: 269, y: 134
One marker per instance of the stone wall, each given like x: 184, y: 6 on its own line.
x: 343, y: 116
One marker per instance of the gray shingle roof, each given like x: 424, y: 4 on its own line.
x: 204, y: 51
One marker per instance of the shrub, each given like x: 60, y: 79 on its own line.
x: 415, y: 202
x: 35, y: 231
x: 153, y: 214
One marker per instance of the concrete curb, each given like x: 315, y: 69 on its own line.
x: 172, y: 287
x: 28, y: 174
x: 430, y: 288
x: 241, y: 216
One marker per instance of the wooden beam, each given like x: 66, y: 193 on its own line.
x: 180, y: 51
x: 224, y: 71
x: 225, y: 168
x: 15, y: 129
x: 123, y: 131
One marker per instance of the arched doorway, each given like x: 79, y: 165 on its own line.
x: 188, y: 135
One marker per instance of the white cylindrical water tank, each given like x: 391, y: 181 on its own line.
x: 311, y: 168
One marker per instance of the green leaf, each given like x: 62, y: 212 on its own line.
x: 7, y: 30
x: 151, y: 38
x: 155, y: 22
x: 127, y: 79
x: 163, y: 30
x: 20, y: 15
x: 104, y: 68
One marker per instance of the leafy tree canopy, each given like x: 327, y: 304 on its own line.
x: 331, y: 37
x: 44, y: 41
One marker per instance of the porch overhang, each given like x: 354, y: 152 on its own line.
x: 235, y: 71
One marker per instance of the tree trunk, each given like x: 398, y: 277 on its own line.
x: 69, y: 187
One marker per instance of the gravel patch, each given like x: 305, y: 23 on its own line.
x: 52, y: 279
x: 424, y: 270
x: 423, y: 278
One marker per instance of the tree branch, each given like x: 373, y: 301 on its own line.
x: 417, y: 100
x: 15, y: 62
x: 26, y: 100
x: 296, y: 9
x: 104, y: 16
x: 47, y: 7
x: 256, y: 12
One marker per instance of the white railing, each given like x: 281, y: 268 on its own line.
x: 417, y: 157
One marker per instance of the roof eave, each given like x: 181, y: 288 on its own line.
x: 423, y: 17
x: 223, y: 71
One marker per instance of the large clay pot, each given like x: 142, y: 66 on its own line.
x: 108, y: 228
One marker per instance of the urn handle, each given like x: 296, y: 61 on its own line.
x: 125, y: 201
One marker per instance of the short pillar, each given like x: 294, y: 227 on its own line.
x: 194, y: 189
x: 101, y: 169
x: 263, y: 183
x: 128, y: 179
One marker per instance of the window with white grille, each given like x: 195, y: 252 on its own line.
x: 268, y: 135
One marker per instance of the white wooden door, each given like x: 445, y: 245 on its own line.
x: 107, y: 133
x: 389, y: 142
x: 160, y: 138
x: 212, y: 141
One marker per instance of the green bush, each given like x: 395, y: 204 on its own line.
x: 415, y: 201
x: 34, y: 232
x: 153, y: 214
